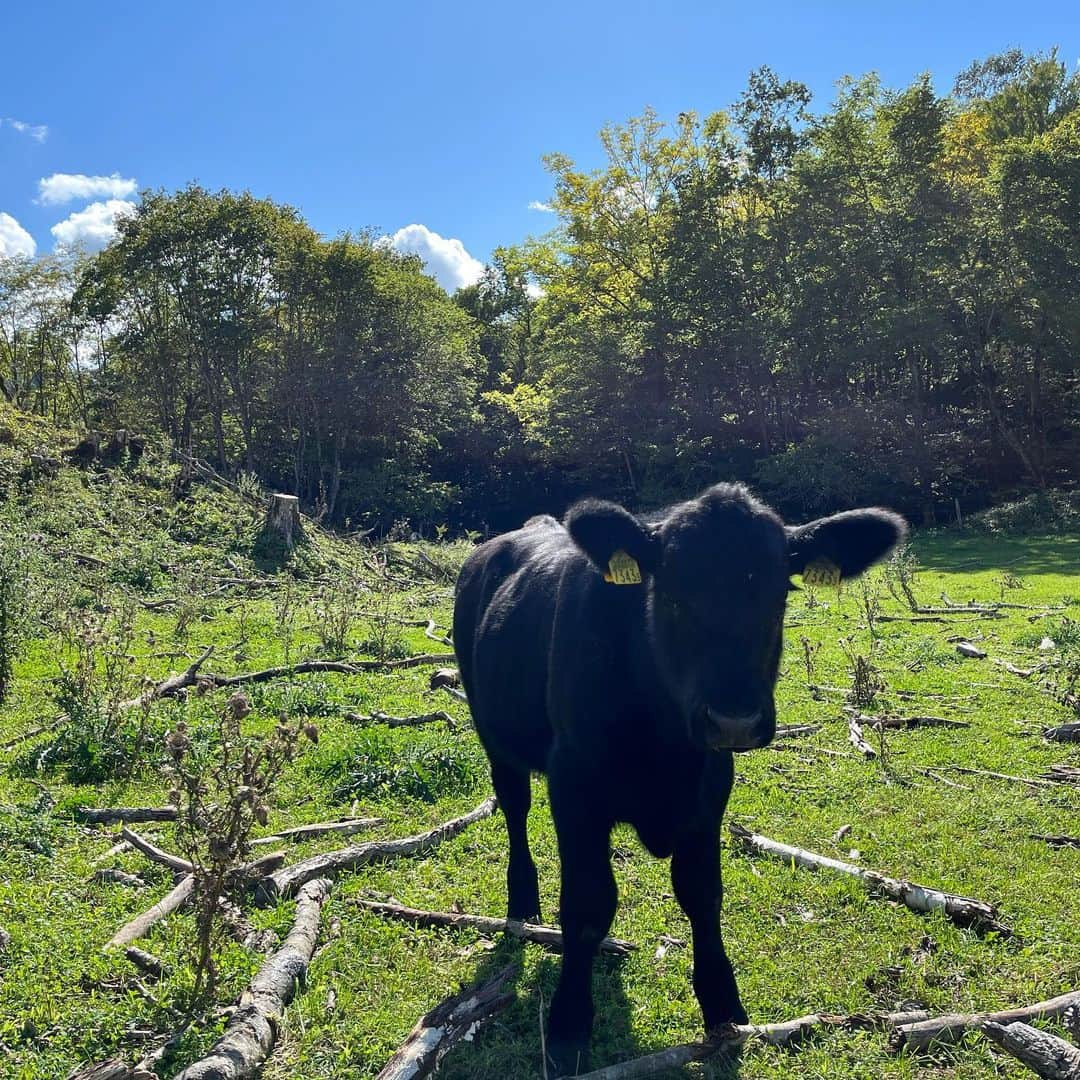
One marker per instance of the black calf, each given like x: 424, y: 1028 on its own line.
x: 628, y: 659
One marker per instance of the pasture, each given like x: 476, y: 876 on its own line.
x: 119, y: 570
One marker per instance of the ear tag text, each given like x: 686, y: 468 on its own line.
x: 623, y: 570
x: 821, y: 572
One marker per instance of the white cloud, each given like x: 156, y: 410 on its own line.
x: 446, y: 258
x: 543, y: 207
x: 93, y: 227
x: 14, y: 239
x: 37, y: 132
x: 66, y: 187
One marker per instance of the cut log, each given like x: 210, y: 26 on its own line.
x: 961, y: 910
x: 156, y: 854
x: 97, y: 815
x: 253, y: 1029
x: 1063, y: 733
x: 286, y: 881
x: 306, y: 832
x: 920, y: 1034
x: 1044, y: 1054
x: 401, y: 721
x: 139, y: 926
x: 439, y: 1030
x: 548, y: 936
x: 283, y: 525
x: 444, y: 677
x: 146, y: 962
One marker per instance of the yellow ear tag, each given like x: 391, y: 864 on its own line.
x: 821, y: 572
x: 623, y: 570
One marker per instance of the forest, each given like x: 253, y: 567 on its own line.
x: 875, y: 301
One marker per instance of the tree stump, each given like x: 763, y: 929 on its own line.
x: 282, y: 530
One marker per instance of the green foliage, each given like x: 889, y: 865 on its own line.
x: 381, y: 766
x: 29, y: 827
x: 1041, y: 513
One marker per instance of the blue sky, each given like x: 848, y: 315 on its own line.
x: 386, y: 115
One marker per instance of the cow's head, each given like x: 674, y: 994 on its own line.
x: 716, y: 571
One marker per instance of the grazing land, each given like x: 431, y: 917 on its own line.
x: 126, y: 582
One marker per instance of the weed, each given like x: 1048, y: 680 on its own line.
x: 866, y: 680
x: 221, y: 795
x: 900, y: 573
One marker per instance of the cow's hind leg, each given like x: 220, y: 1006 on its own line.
x: 512, y: 787
x: 588, y: 899
x: 695, y: 875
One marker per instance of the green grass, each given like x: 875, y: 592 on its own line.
x: 801, y: 942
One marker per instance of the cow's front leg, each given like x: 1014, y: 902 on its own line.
x: 695, y: 875
x: 588, y: 899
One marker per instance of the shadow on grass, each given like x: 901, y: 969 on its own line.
x: 509, y: 1046
x: 958, y: 552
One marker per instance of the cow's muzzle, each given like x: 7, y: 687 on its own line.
x: 746, y: 732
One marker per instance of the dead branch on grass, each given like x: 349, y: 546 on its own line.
x: 437, y: 1031
x: 156, y: 854
x: 1044, y: 1054
x: 919, y: 1035
x: 103, y: 815
x: 401, y: 721
x: 306, y: 832
x: 962, y: 910
x: 253, y: 1029
x: 286, y: 881
x: 548, y: 936
x: 139, y: 926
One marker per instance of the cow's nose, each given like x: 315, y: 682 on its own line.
x: 745, y: 731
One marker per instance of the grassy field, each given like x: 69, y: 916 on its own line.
x: 98, y: 547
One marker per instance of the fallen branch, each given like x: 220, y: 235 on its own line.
x: 918, y: 1036
x: 1057, y: 840
x: 114, y: 876
x: 1062, y: 774
x: 454, y: 692
x: 961, y: 910
x: 146, y: 962
x: 135, y: 929
x: 95, y: 815
x: 785, y: 1034
x: 1001, y: 776
x: 173, y: 685
x: 40, y: 730
x: 156, y: 854
x: 901, y: 723
x: 306, y: 832
x: 548, y: 936
x: 437, y: 1031
x: 252, y: 1031
x: 113, y: 1069
x: 1044, y: 1054
x: 431, y: 632
x: 286, y: 881
x: 401, y: 721
x: 1063, y: 733
x: 855, y: 737
x: 796, y: 731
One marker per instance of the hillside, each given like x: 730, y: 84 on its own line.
x: 117, y: 574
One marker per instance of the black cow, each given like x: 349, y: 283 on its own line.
x: 632, y: 697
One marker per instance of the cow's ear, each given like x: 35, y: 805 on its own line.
x: 844, y: 545
x: 602, y: 528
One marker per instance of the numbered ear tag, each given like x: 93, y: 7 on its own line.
x: 821, y: 572
x: 623, y: 570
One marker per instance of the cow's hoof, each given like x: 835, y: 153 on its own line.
x: 734, y: 1015
x: 566, y: 1059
